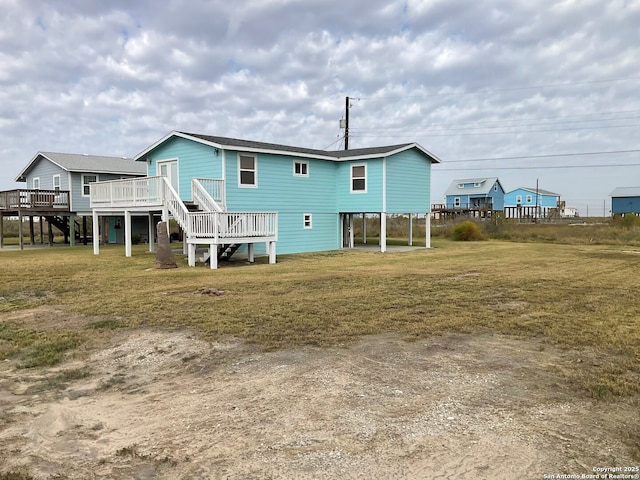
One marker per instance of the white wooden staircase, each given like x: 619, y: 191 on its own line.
x: 209, y: 224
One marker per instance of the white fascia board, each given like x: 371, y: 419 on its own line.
x: 30, y: 164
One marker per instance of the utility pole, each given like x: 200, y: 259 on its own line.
x: 346, y: 124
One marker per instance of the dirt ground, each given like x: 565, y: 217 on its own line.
x: 163, y: 404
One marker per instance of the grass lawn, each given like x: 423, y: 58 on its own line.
x: 572, y: 296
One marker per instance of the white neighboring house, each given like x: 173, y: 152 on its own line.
x: 568, y: 212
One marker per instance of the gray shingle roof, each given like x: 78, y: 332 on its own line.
x: 626, y: 192
x: 539, y: 190
x: 486, y: 184
x: 75, y: 162
x: 250, y: 144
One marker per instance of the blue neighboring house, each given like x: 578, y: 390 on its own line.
x: 625, y: 200
x: 530, y: 202
x: 475, y: 194
x: 58, y: 188
x: 229, y: 193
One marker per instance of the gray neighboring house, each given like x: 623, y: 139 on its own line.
x: 57, y: 189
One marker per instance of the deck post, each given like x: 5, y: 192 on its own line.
x: 185, y: 247
x: 127, y: 233
x: 96, y: 233
x: 250, y: 256
x: 383, y: 232
x: 410, y: 229
x: 191, y: 259
x: 20, y: 236
x: 50, y: 232
x: 1, y: 231
x: 271, y: 250
x: 427, y: 227
x: 72, y: 230
x: 213, y: 256
x: 31, y: 231
x: 152, y: 234
x: 364, y: 228
x: 351, y: 240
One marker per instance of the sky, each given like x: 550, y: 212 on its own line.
x: 538, y: 92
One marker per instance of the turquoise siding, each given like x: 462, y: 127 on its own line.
x: 357, y: 202
x: 291, y: 197
x: 408, y: 183
x: 510, y: 199
x: 195, y: 160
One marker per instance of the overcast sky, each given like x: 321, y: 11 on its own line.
x: 466, y: 79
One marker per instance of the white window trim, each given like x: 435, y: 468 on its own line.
x: 529, y: 199
x: 255, y: 171
x: 456, y: 202
x: 306, y: 216
x: 82, y: 184
x: 33, y: 183
x: 301, y: 162
x: 59, y: 186
x: 351, y: 178
x: 518, y: 199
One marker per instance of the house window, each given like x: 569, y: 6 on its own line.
x: 301, y: 169
x: 86, y: 181
x: 247, y: 170
x: 518, y: 199
x: 461, y: 185
x: 456, y: 202
x: 495, y: 187
x: 307, y: 221
x: 36, y: 183
x: 359, y: 178
x: 476, y: 184
x: 529, y: 199
x: 56, y: 183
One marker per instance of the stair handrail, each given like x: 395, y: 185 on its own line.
x: 176, y: 207
x: 205, y: 199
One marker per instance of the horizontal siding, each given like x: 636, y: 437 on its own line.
x: 625, y: 205
x: 408, y: 183
x: 45, y: 170
x: 543, y: 200
x: 195, y: 160
x: 371, y: 201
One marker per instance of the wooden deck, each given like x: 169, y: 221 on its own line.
x: 33, y: 202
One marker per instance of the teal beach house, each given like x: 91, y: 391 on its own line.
x: 229, y: 194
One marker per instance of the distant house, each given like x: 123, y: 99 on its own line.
x: 568, y: 212
x: 526, y: 202
x: 625, y: 200
x: 475, y: 194
x: 58, y: 189
x: 228, y: 194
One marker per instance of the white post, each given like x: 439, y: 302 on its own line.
x: 271, y: 249
x: 427, y: 227
x: 96, y: 234
x: 185, y: 247
x: 383, y: 232
x: 127, y: 233
x: 351, y: 241
x: 250, y: 252
x: 213, y: 256
x: 191, y: 260
x: 410, y: 230
x: 152, y: 233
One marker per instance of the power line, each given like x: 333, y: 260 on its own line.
x: 550, y: 155
x: 542, y: 167
x: 474, y: 92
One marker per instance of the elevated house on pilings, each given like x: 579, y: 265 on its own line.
x: 471, y: 197
x: 57, y: 194
x: 532, y: 203
x: 231, y: 195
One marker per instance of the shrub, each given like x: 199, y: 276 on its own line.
x: 136, y: 238
x: 467, y: 231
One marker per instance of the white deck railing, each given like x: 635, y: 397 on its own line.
x: 138, y: 192
x: 205, y: 192
x: 213, y: 224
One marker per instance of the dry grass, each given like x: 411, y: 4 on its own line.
x: 576, y: 297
